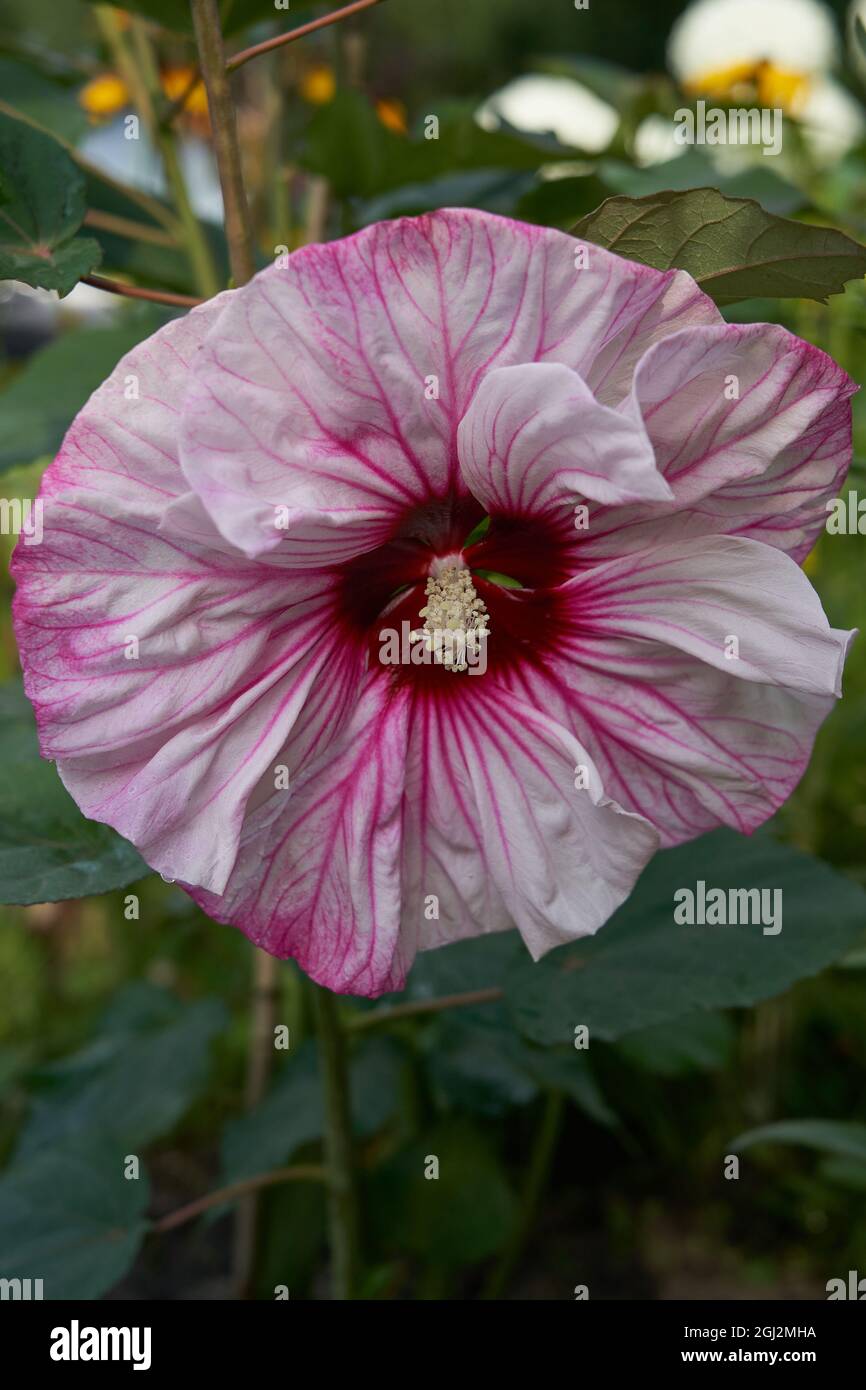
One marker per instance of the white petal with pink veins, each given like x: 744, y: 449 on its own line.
x: 165, y: 736
x: 317, y: 875
x: 335, y: 384
x: 561, y: 853
x: 688, y: 727
x: 535, y: 438
x: 750, y: 426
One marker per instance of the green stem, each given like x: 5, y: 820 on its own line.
x: 540, y: 1163
x: 396, y: 1012
x: 300, y: 1172
x: 208, y: 34
x: 197, y: 247
x: 343, y: 1207
x: 140, y: 73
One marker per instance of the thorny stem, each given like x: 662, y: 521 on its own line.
x: 205, y: 14
x: 333, y: 18
x: 543, y: 1151
x: 300, y: 1172
x: 179, y: 301
x: 343, y: 1207
x: 396, y: 1012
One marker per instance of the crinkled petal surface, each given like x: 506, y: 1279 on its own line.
x: 165, y: 669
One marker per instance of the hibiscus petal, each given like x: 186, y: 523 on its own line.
x: 561, y: 853
x: 752, y: 429
x: 332, y: 876
x: 165, y: 669
x: 681, y: 732
x: 535, y: 438
x: 448, y: 892
x: 331, y: 394
x: 317, y: 877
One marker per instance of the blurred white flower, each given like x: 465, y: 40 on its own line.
x: 540, y: 104
x: 654, y: 141
x: 778, y: 54
x: 137, y: 162
x: 715, y: 41
x: 832, y: 119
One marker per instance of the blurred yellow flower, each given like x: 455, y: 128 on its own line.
x: 772, y: 85
x: 392, y: 114
x: 104, y: 96
x: 175, y: 81
x: 318, y: 85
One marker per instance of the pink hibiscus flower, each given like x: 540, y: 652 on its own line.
x: 259, y: 528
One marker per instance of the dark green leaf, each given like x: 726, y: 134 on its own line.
x: 46, y: 101
x: 494, y: 190
x: 698, y: 1042
x: 132, y: 1091
x: 478, y: 963
x: 68, y: 1216
x: 569, y: 1070
x: 643, y: 968
x: 463, y: 1215
x: 292, y: 1113
x: 557, y: 202
x: 347, y: 143
x: 731, y: 246
x: 843, y: 1138
x: 48, y: 851
x: 38, y: 223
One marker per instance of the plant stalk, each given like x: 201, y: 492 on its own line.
x: 205, y: 14
x: 540, y: 1164
x: 342, y: 1198
x: 195, y: 240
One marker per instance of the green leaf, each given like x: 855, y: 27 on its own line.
x: 569, y: 1070
x: 48, y: 851
x: 347, y: 143
x: 480, y: 962
x: 69, y: 1217
x: 40, y: 402
x: 464, y: 1215
x: 694, y: 169
x: 842, y: 1138
x: 479, y: 1069
x: 493, y: 190
x: 292, y: 1113
x: 643, y: 968
x: 697, y: 1042
x: 731, y: 246
x: 557, y: 202
x: 47, y: 101
x: 128, y: 1087
x: 38, y: 223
